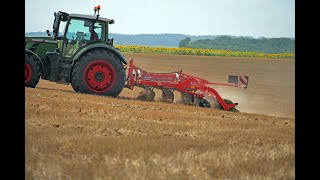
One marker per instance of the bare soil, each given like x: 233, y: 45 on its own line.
x: 78, y: 136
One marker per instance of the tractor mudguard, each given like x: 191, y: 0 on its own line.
x: 100, y: 46
x: 36, y: 56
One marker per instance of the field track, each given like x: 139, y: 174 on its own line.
x: 78, y: 136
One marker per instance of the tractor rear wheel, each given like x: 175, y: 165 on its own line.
x: 99, y: 73
x: 32, y: 71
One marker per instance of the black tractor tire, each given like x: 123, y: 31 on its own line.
x: 98, y: 72
x: 32, y: 71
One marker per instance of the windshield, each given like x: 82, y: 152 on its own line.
x: 79, y: 30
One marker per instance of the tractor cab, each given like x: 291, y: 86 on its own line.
x: 83, y: 56
x: 80, y: 30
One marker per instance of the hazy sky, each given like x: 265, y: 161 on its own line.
x: 256, y: 18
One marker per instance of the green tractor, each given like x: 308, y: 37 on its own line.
x: 84, y: 58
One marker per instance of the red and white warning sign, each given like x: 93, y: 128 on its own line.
x: 244, y: 81
x: 239, y: 81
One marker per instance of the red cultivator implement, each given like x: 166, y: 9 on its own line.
x: 193, y: 90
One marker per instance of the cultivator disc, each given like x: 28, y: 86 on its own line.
x: 208, y: 101
x: 190, y: 99
x: 216, y: 105
x: 147, y: 94
x: 186, y: 98
x: 213, y: 102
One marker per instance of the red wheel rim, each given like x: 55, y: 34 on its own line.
x: 99, y: 76
x: 27, y: 72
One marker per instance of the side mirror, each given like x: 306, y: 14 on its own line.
x: 48, y: 33
x: 110, y: 42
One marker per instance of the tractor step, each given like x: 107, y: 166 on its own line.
x: 62, y: 81
x: 64, y: 69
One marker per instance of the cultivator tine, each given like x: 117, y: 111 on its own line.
x: 167, y: 95
x: 186, y: 98
x: 147, y: 94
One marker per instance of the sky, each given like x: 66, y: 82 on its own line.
x: 255, y: 18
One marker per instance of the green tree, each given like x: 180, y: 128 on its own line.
x: 184, y: 42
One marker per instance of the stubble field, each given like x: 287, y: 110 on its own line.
x: 79, y: 136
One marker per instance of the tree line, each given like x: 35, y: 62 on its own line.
x: 242, y: 44
x: 219, y: 42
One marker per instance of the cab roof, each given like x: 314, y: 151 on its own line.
x: 87, y: 16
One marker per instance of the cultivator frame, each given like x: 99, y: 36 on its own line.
x: 193, y: 89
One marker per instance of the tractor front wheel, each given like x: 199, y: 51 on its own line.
x: 32, y: 71
x: 97, y: 72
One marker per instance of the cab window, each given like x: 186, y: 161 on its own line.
x: 78, y: 34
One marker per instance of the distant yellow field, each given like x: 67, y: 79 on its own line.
x: 200, y: 52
